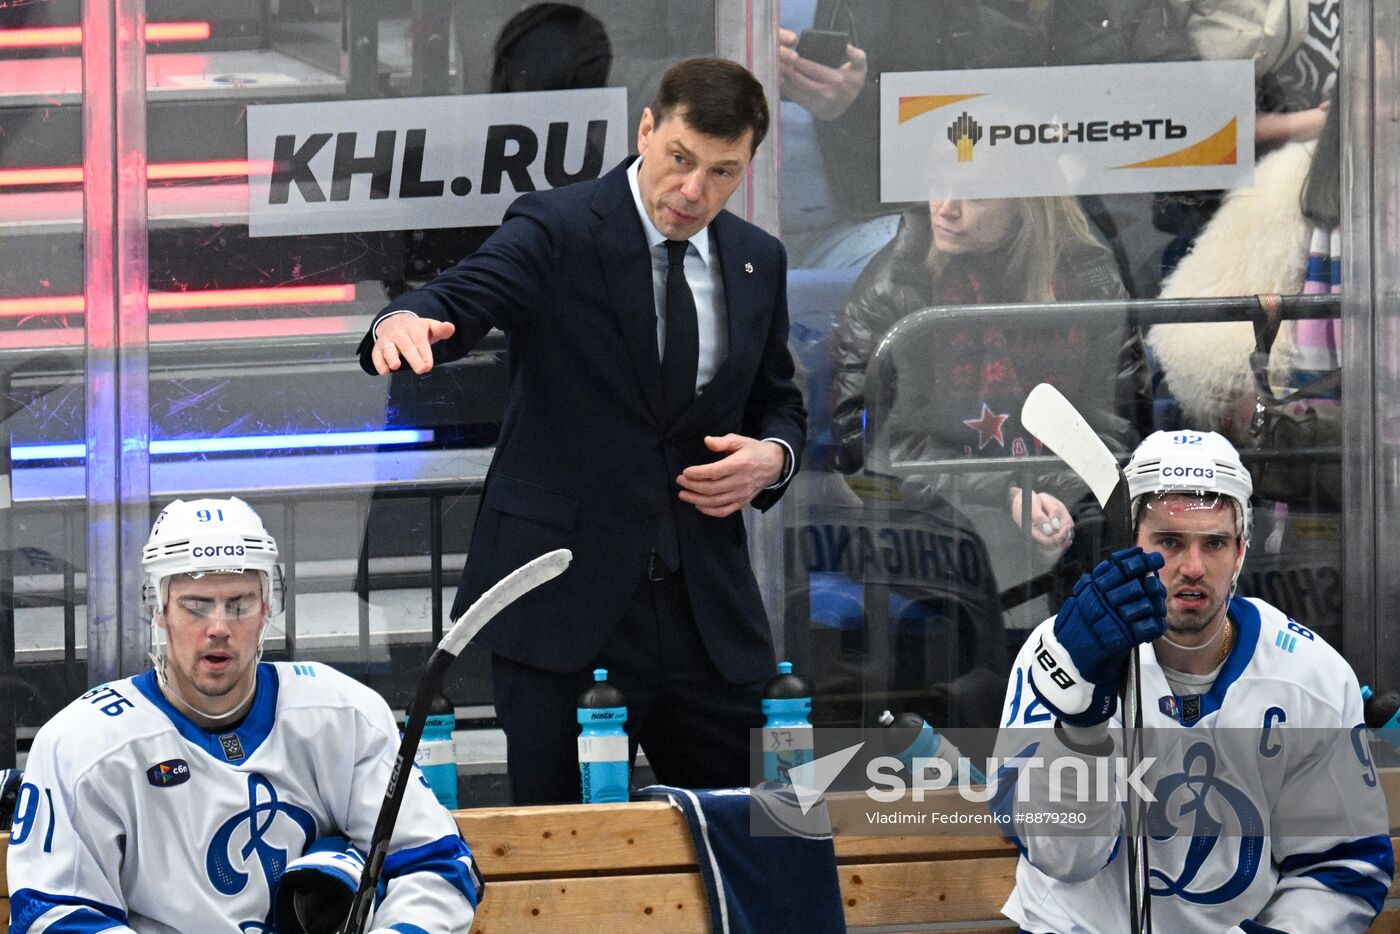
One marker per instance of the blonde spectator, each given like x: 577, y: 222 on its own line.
x: 964, y: 397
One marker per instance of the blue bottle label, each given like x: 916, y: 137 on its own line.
x: 785, y: 746
x: 602, y: 765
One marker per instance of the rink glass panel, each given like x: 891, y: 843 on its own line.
x: 374, y: 528
x: 909, y: 585
x: 369, y: 485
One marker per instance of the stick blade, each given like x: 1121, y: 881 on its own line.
x: 502, y: 594
x: 1053, y: 419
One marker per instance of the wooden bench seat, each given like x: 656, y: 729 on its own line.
x: 631, y: 868
x: 579, y: 869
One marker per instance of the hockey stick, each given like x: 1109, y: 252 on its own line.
x: 510, y: 588
x: 1053, y: 419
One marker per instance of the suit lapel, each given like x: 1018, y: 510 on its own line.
x: 620, y: 242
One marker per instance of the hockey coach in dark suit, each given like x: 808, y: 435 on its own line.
x: 650, y: 398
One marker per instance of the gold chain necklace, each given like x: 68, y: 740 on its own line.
x: 1225, y: 649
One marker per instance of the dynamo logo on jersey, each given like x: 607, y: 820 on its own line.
x: 169, y: 773
x: 1189, y: 794
x: 266, y: 832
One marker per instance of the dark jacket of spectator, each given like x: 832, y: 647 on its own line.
x: 949, y: 394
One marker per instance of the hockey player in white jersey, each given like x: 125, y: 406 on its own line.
x: 1284, y: 831
x: 175, y: 800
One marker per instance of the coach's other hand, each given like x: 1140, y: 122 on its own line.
x: 407, y: 338
x: 1117, y: 606
x: 730, y: 483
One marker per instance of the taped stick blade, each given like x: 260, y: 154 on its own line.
x: 1054, y: 420
x: 502, y: 594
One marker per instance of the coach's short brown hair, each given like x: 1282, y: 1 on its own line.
x: 720, y: 99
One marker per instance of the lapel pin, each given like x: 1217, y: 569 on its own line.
x: 748, y: 267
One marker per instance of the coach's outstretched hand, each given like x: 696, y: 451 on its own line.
x: 1120, y: 604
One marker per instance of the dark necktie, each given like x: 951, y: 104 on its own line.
x: 682, y: 354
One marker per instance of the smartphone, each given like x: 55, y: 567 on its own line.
x: 824, y: 46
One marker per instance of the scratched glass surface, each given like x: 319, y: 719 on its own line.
x: 42, y: 553
x: 912, y: 577
x: 370, y: 485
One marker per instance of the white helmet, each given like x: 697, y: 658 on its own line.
x: 1190, y: 462
x: 209, y: 536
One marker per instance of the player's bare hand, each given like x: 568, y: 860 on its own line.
x: 825, y: 93
x: 730, y: 483
x: 1052, y: 527
x: 408, y: 339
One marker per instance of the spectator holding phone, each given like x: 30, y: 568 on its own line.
x: 843, y: 93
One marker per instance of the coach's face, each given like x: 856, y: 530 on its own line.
x: 686, y: 177
x: 213, y: 625
x: 1197, y: 538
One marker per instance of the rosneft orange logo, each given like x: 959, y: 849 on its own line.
x: 964, y: 134
x: 917, y: 105
x: 1219, y: 148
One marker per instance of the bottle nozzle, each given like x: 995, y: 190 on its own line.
x: 600, y: 674
x: 886, y: 718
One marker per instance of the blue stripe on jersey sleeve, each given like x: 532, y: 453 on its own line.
x: 1250, y: 926
x: 1350, y: 882
x: 1375, y: 850
x: 28, y: 905
x: 405, y: 928
x: 448, y: 857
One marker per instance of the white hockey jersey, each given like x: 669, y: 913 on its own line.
x: 132, y: 818
x: 1274, y: 817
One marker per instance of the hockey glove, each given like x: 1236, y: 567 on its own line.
x: 1117, y: 606
x: 315, y: 893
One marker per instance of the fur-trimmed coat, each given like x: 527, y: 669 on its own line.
x: 1257, y: 243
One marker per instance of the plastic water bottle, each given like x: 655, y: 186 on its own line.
x: 787, y: 733
x: 911, y: 737
x: 437, y: 753
x: 603, y: 758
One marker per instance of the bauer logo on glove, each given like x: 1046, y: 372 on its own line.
x: 1120, y: 604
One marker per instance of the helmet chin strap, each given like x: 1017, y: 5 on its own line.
x: 174, y: 693
x: 1204, y: 645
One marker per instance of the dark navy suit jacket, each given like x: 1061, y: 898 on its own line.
x: 585, y: 460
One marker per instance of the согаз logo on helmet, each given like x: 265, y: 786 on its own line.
x: 216, y: 551
x: 1204, y: 473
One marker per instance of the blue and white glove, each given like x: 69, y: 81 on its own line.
x: 1117, y: 606
x: 314, y: 894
